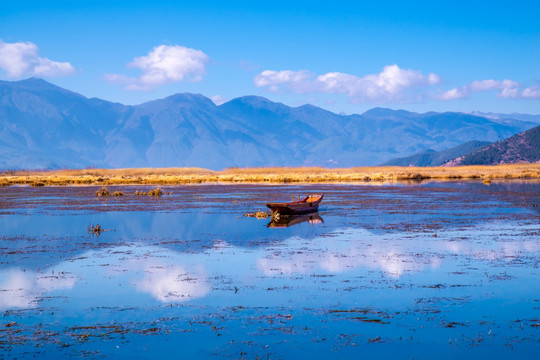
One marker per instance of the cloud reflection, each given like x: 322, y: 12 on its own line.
x: 343, y: 251
x: 167, y: 276
x: 393, y: 254
x: 148, y: 269
x: 22, y: 289
x: 173, y: 283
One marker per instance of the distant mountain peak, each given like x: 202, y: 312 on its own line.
x: 255, y: 103
x: 249, y: 98
x: 182, y: 100
x: 34, y: 79
x: 310, y: 106
x: 35, y: 84
x: 253, y: 100
x: 380, y: 112
x: 189, y: 97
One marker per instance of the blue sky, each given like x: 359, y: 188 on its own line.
x: 345, y: 56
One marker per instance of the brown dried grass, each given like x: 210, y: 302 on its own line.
x: 176, y: 176
x: 157, y: 192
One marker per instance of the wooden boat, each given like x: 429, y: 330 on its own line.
x: 309, y: 204
x: 286, y: 221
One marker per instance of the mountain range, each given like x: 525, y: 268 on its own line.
x: 436, y: 158
x: 45, y: 126
x: 520, y: 148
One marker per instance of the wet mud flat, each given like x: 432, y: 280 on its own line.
x: 427, y: 270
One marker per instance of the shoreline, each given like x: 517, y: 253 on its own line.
x: 270, y: 175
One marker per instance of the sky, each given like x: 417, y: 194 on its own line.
x: 344, y: 56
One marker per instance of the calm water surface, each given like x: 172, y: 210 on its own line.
x: 436, y: 270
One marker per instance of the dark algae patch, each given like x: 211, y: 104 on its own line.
x: 424, y: 270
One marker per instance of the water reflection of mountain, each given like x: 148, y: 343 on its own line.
x: 286, y: 221
x: 523, y: 194
x: 40, y: 240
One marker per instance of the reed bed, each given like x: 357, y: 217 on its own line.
x: 175, y: 176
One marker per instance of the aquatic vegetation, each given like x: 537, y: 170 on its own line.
x: 103, y: 192
x: 95, y: 229
x: 157, y: 192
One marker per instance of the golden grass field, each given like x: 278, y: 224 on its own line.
x: 173, y: 176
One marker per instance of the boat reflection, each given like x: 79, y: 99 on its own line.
x: 286, y: 221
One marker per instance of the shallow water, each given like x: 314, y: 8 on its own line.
x: 416, y: 271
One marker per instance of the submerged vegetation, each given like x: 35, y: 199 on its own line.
x: 175, y: 176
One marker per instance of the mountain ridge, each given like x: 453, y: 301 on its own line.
x: 520, y: 148
x: 45, y: 126
x: 437, y: 158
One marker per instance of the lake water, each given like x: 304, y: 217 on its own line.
x: 430, y: 270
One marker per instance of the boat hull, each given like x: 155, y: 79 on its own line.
x: 308, y: 205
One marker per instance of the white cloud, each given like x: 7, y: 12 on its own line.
x: 164, y: 64
x: 218, y: 99
x: 391, y: 84
x: 484, y: 85
x: 532, y: 92
x: 297, y: 81
x: 505, y: 89
x: 22, y: 59
x: 509, y: 89
x: 454, y: 94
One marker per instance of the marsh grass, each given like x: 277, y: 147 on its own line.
x: 157, y: 192
x: 177, y: 176
x: 103, y: 192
